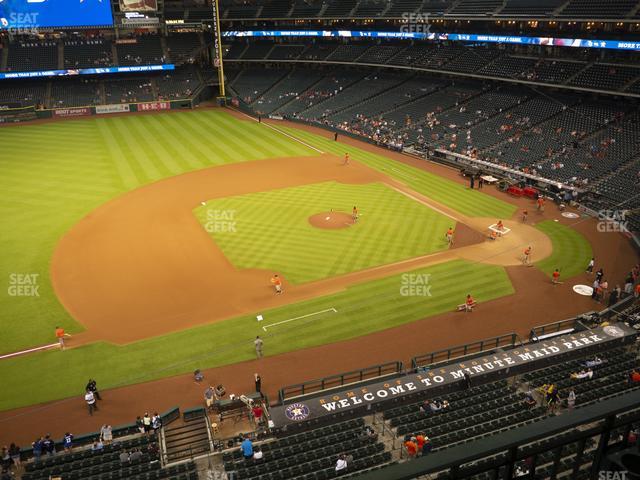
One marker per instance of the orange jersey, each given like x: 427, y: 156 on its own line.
x: 450, y: 232
x: 527, y: 251
x: 59, y: 332
x: 276, y: 281
x: 556, y: 275
x: 470, y: 301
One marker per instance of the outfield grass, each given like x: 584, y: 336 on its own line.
x: 571, y: 251
x: 472, y: 203
x: 271, y: 230
x: 361, y: 309
x: 54, y: 174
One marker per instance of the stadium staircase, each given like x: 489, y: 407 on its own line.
x: 558, y: 10
x: 114, y: 54
x: 313, y: 454
x: 4, y: 56
x: 191, y: 439
x: 60, y: 55
x: 165, y: 49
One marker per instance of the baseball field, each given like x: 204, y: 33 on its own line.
x: 152, y: 240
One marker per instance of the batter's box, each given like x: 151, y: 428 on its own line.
x: 502, y: 231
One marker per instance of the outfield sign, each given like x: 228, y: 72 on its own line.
x: 72, y: 112
x: 114, y: 108
x: 86, y: 71
x: 153, y: 106
x: 492, y: 367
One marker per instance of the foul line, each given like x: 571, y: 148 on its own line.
x: 298, y: 318
x: 282, y: 133
x: 432, y: 207
x: 24, y: 352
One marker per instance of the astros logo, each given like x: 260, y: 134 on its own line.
x: 297, y: 412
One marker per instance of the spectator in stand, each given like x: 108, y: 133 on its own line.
x: 136, y: 455
x: 124, y: 456
x: 634, y: 376
x: 411, y: 446
x: 594, y: 362
x: 97, y: 445
x: 48, y: 446
x: 106, y: 434
x: 247, y: 448
x: 257, y: 453
x: 584, y: 373
x: 341, y: 464
x: 427, y: 447
x: 257, y: 413
x: 156, y: 422
x: 91, y: 401
x: 140, y: 424
x: 146, y: 422
x: 420, y: 439
x: 37, y: 449
x: 5, y: 458
x: 14, y: 453
x: 67, y: 442
x: 571, y: 399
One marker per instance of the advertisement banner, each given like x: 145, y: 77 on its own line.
x: 72, y: 112
x: 114, y: 108
x: 151, y: 106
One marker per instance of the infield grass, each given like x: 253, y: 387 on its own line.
x: 271, y: 230
x: 361, y: 309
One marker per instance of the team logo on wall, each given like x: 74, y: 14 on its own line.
x: 585, y: 290
x: 613, y: 331
x: 297, y: 412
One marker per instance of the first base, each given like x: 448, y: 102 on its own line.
x: 327, y: 218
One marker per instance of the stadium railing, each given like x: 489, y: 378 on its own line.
x: 454, y: 353
x: 374, y: 372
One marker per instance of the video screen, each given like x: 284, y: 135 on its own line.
x: 138, y: 5
x: 31, y: 15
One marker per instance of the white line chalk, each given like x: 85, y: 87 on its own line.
x: 298, y: 318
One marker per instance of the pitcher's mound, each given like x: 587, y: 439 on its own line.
x: 331, y: 220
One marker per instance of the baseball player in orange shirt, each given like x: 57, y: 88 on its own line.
x: 526, y: 259
x: 449, y: 236
x: 277, y: 284
x: 346, y: 159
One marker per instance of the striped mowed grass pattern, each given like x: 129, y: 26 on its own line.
x: 472, y: 203
x: 571, y: 250
x: 54, y: 174
x: 361, y: 309
x: 271, y: 230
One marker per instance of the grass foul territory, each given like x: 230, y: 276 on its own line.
x: 571, y: 251
x: 359, y: 310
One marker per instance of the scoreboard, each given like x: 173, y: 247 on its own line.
x: 33, y: 14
